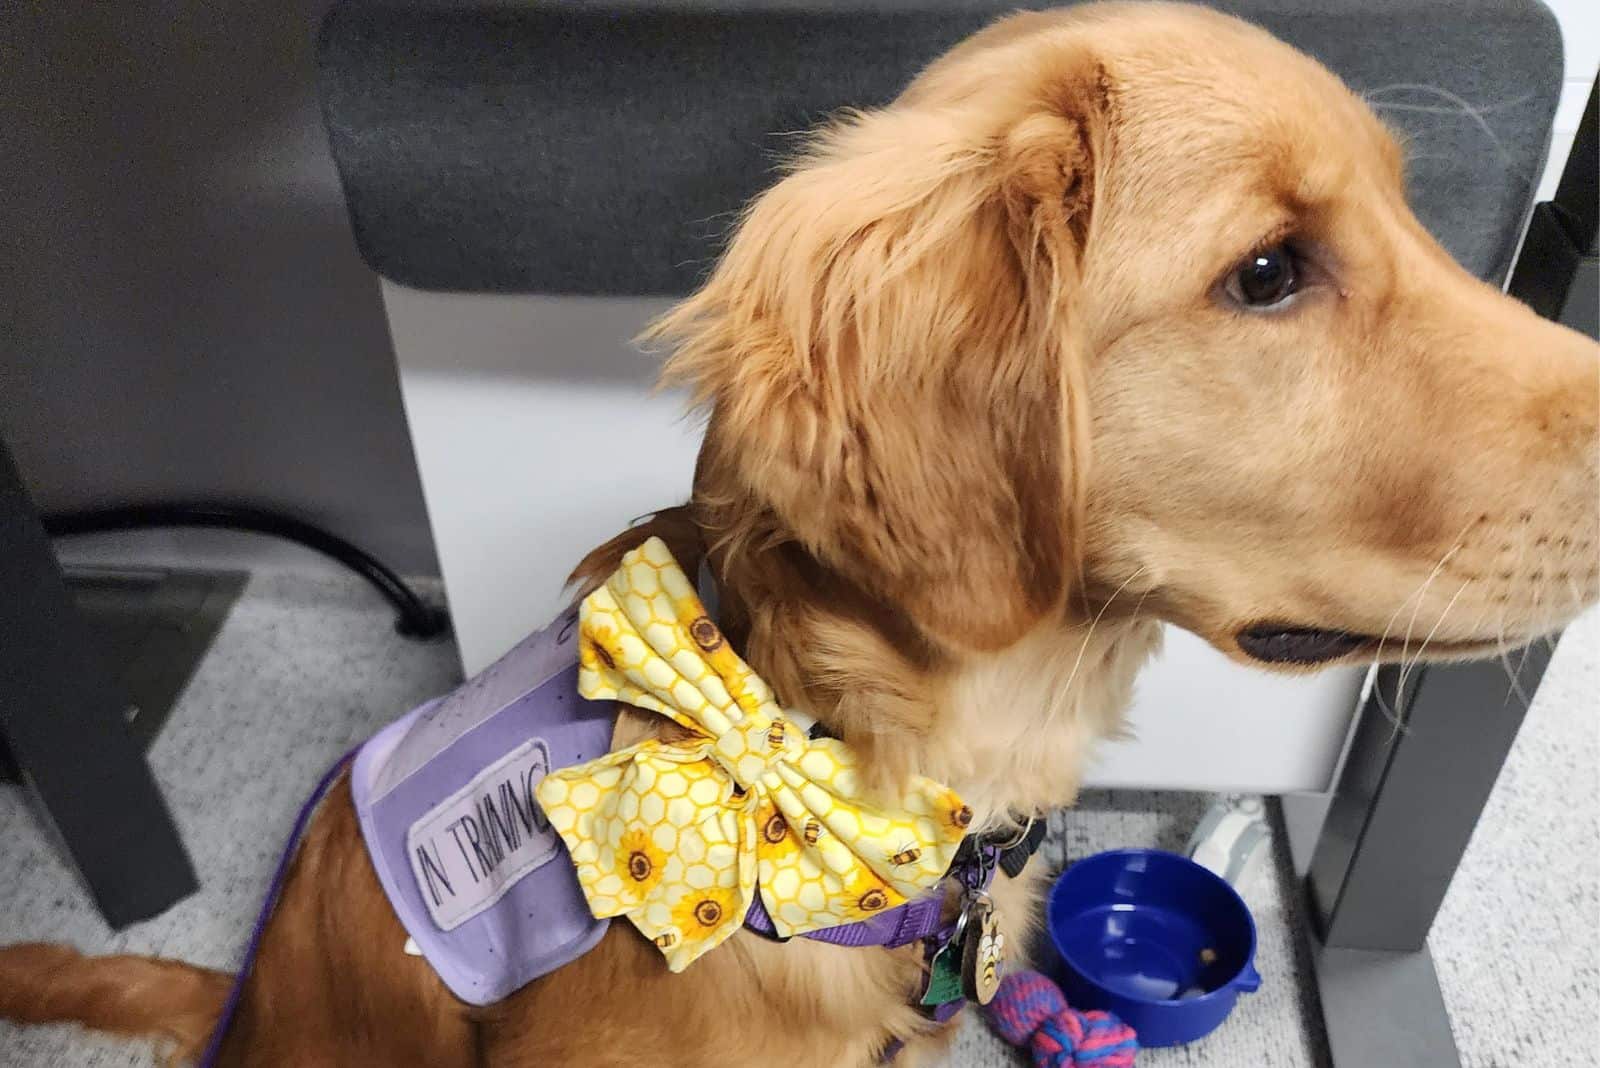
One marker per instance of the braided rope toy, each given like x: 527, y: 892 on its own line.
x: 1030, y: 1012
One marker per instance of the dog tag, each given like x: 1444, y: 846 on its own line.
x: 983, y: 952
x: 944, y: 976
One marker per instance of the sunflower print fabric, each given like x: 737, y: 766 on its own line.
x: 680, y: 836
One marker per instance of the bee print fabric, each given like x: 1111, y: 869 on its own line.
x: 679, y: 836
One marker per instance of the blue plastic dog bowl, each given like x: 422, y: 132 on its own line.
x: 1155, y: 938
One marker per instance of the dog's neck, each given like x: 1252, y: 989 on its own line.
x: 1014, y: 730
x: 1010, y: 730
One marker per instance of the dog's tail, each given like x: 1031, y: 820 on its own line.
x: 140, y: 996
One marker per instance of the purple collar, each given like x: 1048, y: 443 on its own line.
x: 921, y: 919
x: 915, y: 921
x: 901, y: 926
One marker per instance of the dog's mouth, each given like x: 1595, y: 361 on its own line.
x: 1275, y: 643
x: 1279, y: 643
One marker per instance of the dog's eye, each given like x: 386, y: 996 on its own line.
x: 1266, y: 278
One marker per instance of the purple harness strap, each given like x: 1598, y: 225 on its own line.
x: 231, y: 1007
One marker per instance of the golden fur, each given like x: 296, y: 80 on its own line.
x: 979, y: 418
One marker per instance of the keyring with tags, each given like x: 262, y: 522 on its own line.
x: 981, y: 945
x: 968, y: 899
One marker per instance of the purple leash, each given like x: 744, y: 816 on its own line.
x: 231, y: 1007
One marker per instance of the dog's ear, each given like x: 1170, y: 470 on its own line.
x: 887, y: 350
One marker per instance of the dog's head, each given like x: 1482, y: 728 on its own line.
x: 1124, y: 307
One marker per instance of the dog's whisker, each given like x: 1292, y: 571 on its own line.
x: 1461, y: 106
x: 1139, y: 607
x: 1422, y: 87
x: 1391, y: 714
x: 1414, y: 594
x: 1515, y: 674
x: 1538, y: 595
x: 1058, y: 707
x: 1405, y: 671
x: 1416, y: 608
x: 1515, y: 687
x: 1084, y: 648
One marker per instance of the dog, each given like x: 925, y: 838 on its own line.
x: 1115, y: 316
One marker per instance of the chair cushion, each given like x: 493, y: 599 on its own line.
x: 604, y: 147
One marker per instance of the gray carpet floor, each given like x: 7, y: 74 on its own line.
x: 305, y: 667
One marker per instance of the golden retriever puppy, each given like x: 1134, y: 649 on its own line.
x: 1116, y: 316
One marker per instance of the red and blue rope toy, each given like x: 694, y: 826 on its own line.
x: 1030, y: 1012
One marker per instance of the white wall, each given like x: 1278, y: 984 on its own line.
x: 537, y: 438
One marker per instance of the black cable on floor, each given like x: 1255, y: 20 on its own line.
x: 417, y: 618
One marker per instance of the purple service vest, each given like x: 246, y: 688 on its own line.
x: 478, y: 878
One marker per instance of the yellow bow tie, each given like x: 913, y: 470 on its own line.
x: 678, y: 836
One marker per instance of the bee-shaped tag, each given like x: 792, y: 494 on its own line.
x: 983, y: 952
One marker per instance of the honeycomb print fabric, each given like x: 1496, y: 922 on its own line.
x: 678, y: 836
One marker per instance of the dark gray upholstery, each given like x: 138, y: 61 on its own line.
x: 602, y: 147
